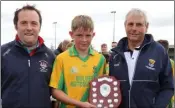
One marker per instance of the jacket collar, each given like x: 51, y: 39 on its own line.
x: 123, y: 43
x: 19, y: 42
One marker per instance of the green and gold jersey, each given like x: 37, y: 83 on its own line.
x: 171, y: 103
x: 172, y: 64
x: 107, y: 68
x: 72, y: 73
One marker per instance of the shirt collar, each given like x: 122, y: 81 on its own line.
x: 136, y: 48
x: 74, y: 52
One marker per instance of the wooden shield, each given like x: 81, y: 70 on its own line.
x: 105, y: 92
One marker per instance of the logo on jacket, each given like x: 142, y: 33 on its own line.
x: 151, y: 64
x: 43, y: 65
x: 117, y: 64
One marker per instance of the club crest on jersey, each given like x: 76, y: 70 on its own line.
x: 43, y: 65
x: 74, y: 69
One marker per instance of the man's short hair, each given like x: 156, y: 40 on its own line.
x: 103, y: 45
x: 114, y: 42
x: 83, y: 21
x: 27, y: 7
x: 164, y: 43
x: 136, y: 11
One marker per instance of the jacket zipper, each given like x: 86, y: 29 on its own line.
x: 134, y: 73
x: 136, y: 64
x: 29, y: 82
x: 29, y: 63
x: 128, y: 79
x: 132, y: 81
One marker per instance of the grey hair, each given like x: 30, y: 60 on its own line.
x: 139, y: 12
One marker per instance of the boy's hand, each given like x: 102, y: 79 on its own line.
x: 87, y: 105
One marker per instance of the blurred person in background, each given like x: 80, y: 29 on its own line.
x: 165, y: 44
x: 62, y: 47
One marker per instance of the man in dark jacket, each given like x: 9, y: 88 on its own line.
x: 142, y: 66
x: 26, y: 64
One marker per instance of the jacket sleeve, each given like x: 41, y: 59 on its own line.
x: 166, y: 84
x: 5, y: 50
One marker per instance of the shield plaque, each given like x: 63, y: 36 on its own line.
x: 105, y: 92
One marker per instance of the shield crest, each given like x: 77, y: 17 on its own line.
x: 105, y: 89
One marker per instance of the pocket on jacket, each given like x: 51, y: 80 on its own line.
x: 149, y: 97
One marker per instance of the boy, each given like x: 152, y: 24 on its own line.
x: 76, y: 67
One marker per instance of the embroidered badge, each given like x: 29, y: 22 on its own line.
x: 43, y: 65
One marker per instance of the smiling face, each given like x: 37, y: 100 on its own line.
x: 28, y: 27
x: 135, y: 27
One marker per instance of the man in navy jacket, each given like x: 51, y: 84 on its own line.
x: 142, y: 66
x: 26, y: 64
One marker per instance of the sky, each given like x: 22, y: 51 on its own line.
x: 160, y: 16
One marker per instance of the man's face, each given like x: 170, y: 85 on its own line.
x: 114, y: 45
x: 135, y: 27
x: 104, y: 48
x: 82, y: 38
x: 28, y: 27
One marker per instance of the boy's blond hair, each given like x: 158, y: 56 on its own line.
x: 83, y: 21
